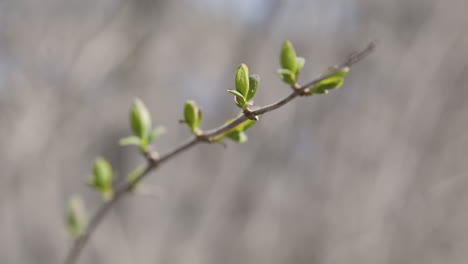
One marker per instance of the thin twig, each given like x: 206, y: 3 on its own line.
x: 154, y: 161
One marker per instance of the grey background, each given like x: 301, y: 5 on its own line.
x: 375, y: 172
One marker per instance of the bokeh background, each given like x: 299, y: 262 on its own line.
x: 375, y: 172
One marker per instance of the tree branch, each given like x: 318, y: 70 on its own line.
x: 154, y: 161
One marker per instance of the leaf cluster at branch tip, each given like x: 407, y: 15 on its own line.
x: 290, y: 63
x: 140, y: 122
x: 101, y: 179
x: 246, y: 86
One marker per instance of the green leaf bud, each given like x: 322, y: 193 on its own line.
x: 238, y: 99
x: 253, y: 85
x: 246, y: 125
x: 329, y: 83
x: 341, y: 73
x: 75, y: 218
x: 239, y: 137
x: 287, y: 76
x: 333, y: 81
x: 101, y: 180
x: 288, y: 57
x: 299, y: 64
x: 242, y: 80
x: 140, y: 119
x: 192, y: 115
x: 237, y: 133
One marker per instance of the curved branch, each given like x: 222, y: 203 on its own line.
x: 154, y: 161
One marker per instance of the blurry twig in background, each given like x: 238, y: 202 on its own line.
x: 154, y: 160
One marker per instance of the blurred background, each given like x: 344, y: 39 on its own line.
x: 374, y: 172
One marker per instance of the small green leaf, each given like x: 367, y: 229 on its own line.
x: 101, y: 180
x: 237, y: 133
x: 140, y: 119
x: 240, y: 102
x: 156, y: 132
x: 218, y: 138
x: 287, y: 76
x: 341, y: 73
x: 135, y: 174
x: 103, y: 171
x: 246, y: 125
x: 236, y: 93
x: 199, y: 117
x: 75, y: 218
x: 323, y: 86
x: 242, y: 80
x: 253, y: 84
x: 334, y: 81
x: 238, y: 99
x: 239, y: 137
x: 288, y: 57
x: 192, y: 116
x: 299, y: 64
x: 130, y: 140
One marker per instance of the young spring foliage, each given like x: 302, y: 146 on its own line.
x: 236, y: 134
x: 135, y: 174
x: 291, y: 65
x: 253, y: 85
x: 246, y: 86
x: 242, y: 80
x: 140, y: 119
x: 75, y: 217
x: 333, y: 81
x: 192, y: 117
x: 101, y: 179
x: 140, y: 122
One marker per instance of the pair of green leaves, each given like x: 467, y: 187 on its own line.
x: 76, y: 217
x: 246, y: 86
x: 237, y: 134
x: 334, y: 81
x: 290, y: 63
x: 140, y: 122
x: 192, y: 117
x: 101, y: 179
